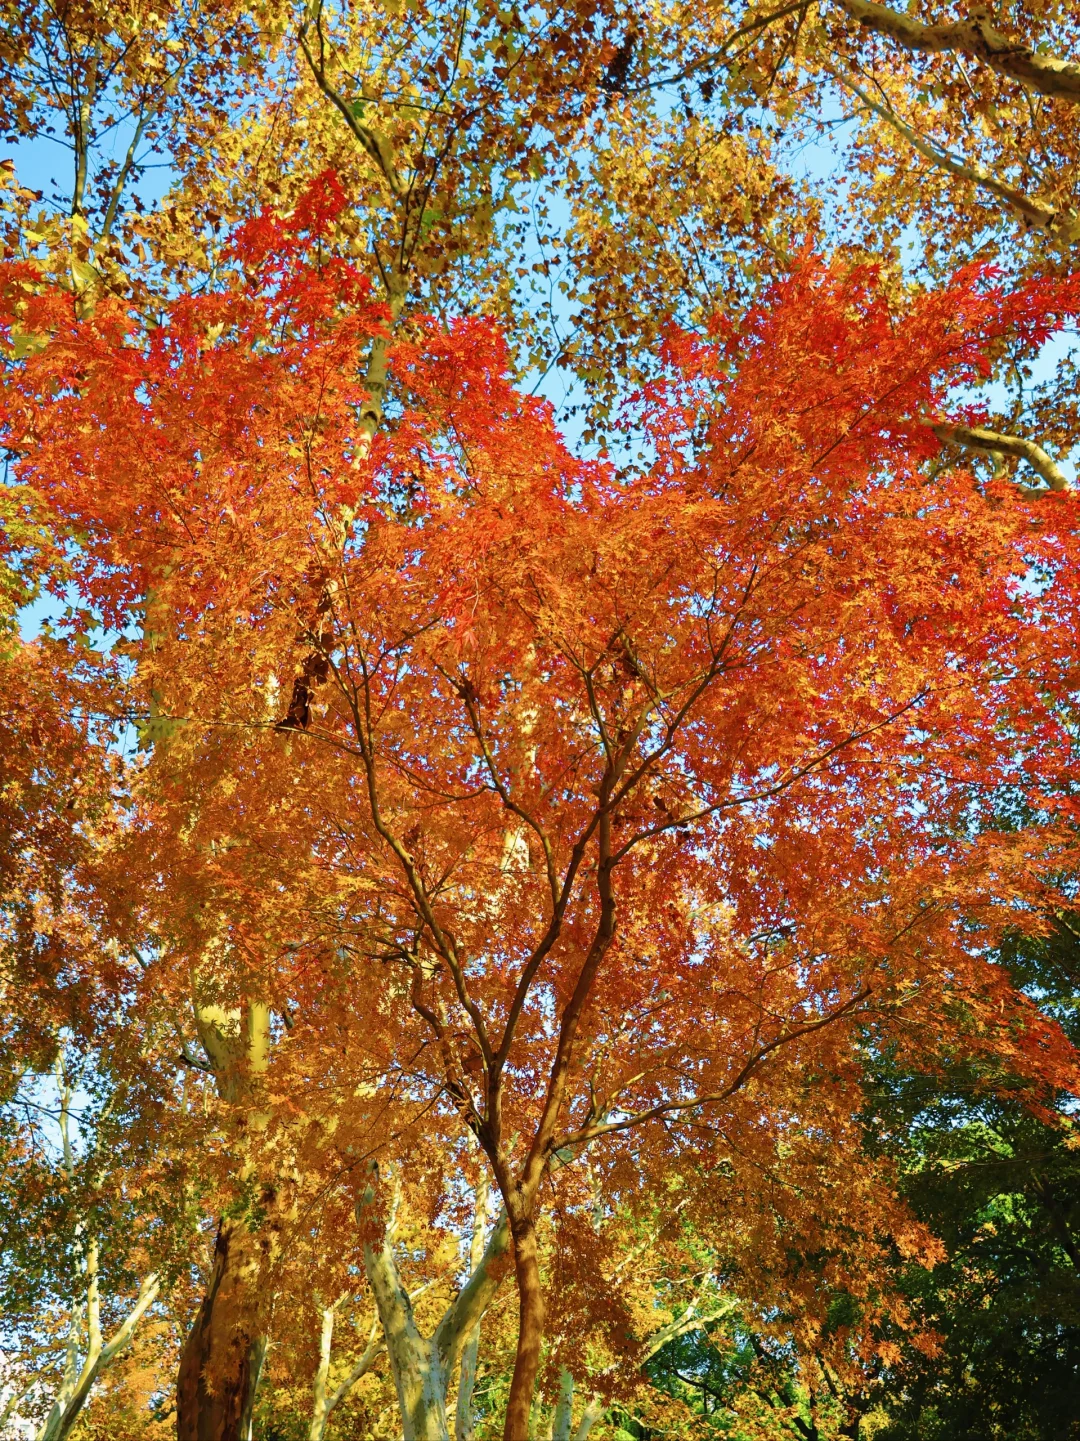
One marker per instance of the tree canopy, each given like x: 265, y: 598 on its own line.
x: 539, y: 818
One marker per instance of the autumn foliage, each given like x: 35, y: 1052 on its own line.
x: 619, y: 812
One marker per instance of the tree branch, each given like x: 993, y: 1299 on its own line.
x: 975, y: 36
x: 472, y: 1300
x: 992, y: 442
x: 667, y: 1108
x: 1036, y: 214
x: 373, y: 144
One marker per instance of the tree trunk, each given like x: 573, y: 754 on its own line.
x: 320, y: 1409
x: 530, y: 1329
x: 99, y: 1358
x: 221, y: 1359
x: 463, y: 1416
x: 564, y: 1411
x: 419, y: 1377
x: 589, y: 1417
x: 325, y: 1404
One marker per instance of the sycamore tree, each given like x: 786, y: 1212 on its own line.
x: 582, y: 170
x: 78, y: 1237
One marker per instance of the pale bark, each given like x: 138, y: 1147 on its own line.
x: 419, y: 1376
x: 589, y: 1417
x: 68, y: 1378
x: 422, y: 1367
x: 977, y: 37
x: 463, y: 1415
x: 564, y: 1409
x: 320, y: 1408
x: 473, y: 1299
x: 98, y: 1358
x: 77, y: 1380
x: 992, y: 442
x: 325, y: 1402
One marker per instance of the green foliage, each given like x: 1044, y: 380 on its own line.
x: 1001, y: 1187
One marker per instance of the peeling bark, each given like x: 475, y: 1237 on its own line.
x: 419, y: 1378
x: 98, y: 1358
x: 422, y: 1367
x: 589, y: 1417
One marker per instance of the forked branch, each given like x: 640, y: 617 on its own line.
x: 676, y: 1107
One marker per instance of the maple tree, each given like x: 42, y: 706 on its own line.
x: 525, y: 755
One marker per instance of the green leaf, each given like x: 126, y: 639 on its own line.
x: 26, y: 343
x: 155, y: 730
x: 86, y: 275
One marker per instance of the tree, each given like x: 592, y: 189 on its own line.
x: 57, y: 793
x: 651, y: 160
x: 996, y: 1183
x: 525, y: 755
x: 580, y: 171
x: 77, y: 1276
x: 996, y: 1354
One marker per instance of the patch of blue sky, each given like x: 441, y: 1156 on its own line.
x: 46, y: 163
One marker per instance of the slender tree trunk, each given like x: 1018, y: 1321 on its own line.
x: 463, y: 1417
x: 99, y: 1358
x: 68, y: 1382
x: 320, y: 1409
x: 325, y: 1402
x: 564, y: 1411
x: 256, y: 1362
x: 419, y: 1376
x: 222, y: 1356
x: 589, y: 1417
x: 530, y: 1329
